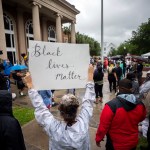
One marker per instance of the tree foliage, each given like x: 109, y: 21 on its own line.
x: 84, y: 39
x: 139, y: 43
x: 94, y: 45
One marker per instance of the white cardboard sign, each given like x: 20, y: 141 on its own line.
x: 58, y: 65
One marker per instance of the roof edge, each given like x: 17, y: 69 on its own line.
x: 72, y: 7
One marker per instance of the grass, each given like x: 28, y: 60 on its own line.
x: 142, y: 142
x: 23, y: 114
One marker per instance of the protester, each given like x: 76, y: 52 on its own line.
x: 24, y: 60
x: 124, y: 68
x: 121, y: 66
x: 139, y: 72
x: 128, y: 65
x: 47, y: 97
x: 120, y: 118
x: 135, y: 85
x: 112, y: 77
x: 98, y: 80
x: 105, y: 63
x: 5, y: 82
x: 53, y: 99
x: 72, y: 133
x: 118, y: 71
x: 3, y: 79
x: 18, y: 75
x: 7, y: 67
x: 145, y: 97
x: 11, y: 137
x: 71, y: 91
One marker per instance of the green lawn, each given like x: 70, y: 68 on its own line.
x: 23, y: 114
x: 142, y: 142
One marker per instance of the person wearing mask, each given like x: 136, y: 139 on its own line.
x: 72, y: 132
x: 120, y: 118
x: 11, y: 137
x: 98, y: 80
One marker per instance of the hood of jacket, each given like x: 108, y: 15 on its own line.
x: 5, y: 102
x: 129, y: 101
x: 75, y: 137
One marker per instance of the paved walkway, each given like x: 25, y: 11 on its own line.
x: 34, y: 136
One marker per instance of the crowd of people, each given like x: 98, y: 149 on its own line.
x: 120, y: 120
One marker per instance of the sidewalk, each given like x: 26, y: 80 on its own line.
x: 35, y: 137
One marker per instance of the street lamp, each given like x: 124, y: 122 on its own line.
x: 102, y: 31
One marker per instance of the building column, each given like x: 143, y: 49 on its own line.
x: 36, y: 21
x: 58, y: 28
x: 44, y: 29
x: 2, y: 36
x: 21, y: 32
x: 73, y: 32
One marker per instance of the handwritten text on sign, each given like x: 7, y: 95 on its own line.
x: 58, y: 65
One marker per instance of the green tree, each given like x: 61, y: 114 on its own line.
x: 93, y: 44
x: 141, y: 38
x: 138, y: 44
x: 67, y: 31
x: 84, y: 39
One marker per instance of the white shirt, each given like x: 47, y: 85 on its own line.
x: 75, y: 137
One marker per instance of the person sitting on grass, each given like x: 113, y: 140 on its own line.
x: 72, y: 132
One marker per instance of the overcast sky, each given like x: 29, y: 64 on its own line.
x: 121, y: 17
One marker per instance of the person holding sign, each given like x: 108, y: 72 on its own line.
x: 72, y: 132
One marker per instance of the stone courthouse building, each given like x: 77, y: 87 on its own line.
x: 41, y: 20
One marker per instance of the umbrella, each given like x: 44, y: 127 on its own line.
x: 116, y: 57
x: 18, y: 67
x: 140, y: 58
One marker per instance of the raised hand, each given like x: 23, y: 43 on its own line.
x: 90, y: 72
x: 28, y: 80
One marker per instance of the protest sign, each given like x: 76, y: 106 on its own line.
x: 58, y: 65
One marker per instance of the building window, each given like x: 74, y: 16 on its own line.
x: 29, y: 31
x: 51, y: 34
x: 9, y: 35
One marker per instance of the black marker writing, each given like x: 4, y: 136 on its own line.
x: 38, y: 51
x: 53, y: 65
x: 71, y: 75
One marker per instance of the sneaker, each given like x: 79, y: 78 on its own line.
x: 21, y: 93
x: 14, y: 96
x: 100, y: 100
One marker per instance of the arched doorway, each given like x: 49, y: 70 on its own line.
x: 10, y: 38
x: 29, y: 31
x: 51, y: 34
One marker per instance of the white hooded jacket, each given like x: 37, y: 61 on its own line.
x: 75, y: 137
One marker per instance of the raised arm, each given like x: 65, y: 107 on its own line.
x: 42, y: 114
x: 89, y: 98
